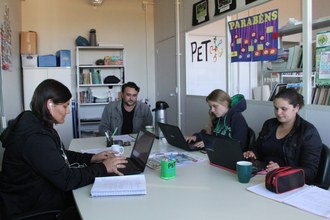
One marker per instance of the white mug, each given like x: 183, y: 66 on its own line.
x: 150, y: 128
x: 117, y: 148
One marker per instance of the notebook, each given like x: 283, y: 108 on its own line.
x: 224, y: 152
x: 174, y: 137
x: 140, y: 153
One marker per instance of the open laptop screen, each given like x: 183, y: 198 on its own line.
x: 142, y: 148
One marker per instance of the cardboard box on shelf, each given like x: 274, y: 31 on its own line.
x: 63, y: 58
x: 47, y: 61
x: 29, y: 60
x: 29, y: 42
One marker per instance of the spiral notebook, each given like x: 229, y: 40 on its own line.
x: 119, y: 185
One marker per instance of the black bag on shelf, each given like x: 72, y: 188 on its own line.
x: 284, y: 179
x: 81, y: 41
x: 111, y: 79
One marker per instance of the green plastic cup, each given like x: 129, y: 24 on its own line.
x: 168, y: 169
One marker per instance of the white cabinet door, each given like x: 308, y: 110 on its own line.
x: 32, y: 77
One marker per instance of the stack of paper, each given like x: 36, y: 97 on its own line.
x: 308, y: 198
x: 119, y: 185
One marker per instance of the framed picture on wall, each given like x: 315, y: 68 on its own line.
x: 200, y: 12
x: 222, y: 6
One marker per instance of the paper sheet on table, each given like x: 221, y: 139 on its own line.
x: 124, y: 138
x: 260, y: 189
x: 182, y: 159
x: 308, y: 198
x: 119, y: 185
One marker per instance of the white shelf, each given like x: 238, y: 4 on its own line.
x: 100, y: 85
x: 296, y: 29
x: 86, y: 58
x: 86, y: 66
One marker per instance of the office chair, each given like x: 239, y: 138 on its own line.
x: 322, y: 179
x: 252, y: 138
x: 42, y: 215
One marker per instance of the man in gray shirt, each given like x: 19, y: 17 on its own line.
x: 127, y: 115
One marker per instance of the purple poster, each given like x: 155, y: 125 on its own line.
x: 254, y: 38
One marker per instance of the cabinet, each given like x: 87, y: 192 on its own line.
x: 304, y: 77
x: 33, y: 76
x: 100, y: 75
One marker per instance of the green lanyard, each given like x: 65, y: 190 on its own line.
x: 222, y: 128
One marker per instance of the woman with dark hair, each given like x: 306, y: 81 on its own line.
x: 288, y: 139
x: 38, y: 173
x: 225, y: 118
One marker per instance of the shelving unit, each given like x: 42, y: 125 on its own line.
x: 274, y: 76
x: 93, y: 94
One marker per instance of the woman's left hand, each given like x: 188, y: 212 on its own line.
x: 97, y: 158
x: 272, y: 166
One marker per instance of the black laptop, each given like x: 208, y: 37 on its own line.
x: 140, y: 153
x: 224, y: 152
x: 174, y: 137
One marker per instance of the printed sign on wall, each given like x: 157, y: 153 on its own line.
x: 222, y: 6
x: 206, y: 64
x: 254, y: 38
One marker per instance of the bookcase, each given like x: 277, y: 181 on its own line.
x: 100, y: 75
x: 290, y: 72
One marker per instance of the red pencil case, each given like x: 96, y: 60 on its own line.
x: 284, y: 179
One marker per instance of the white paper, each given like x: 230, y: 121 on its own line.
x: 123, y: 138
x: 260, y: 189
x: 314, y: 200
x: 119, y: 185
x: 308, y: 198
x: 182, y: 159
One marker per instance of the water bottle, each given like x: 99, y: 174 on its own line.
x: 92, y: 37
x: 160, y: 116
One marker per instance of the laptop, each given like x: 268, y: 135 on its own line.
x: 140, y: 153
x: 224, y: 152
x: 174, y: 137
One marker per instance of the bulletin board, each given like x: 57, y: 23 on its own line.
x: 206, y: 64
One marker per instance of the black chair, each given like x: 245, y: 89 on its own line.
x: 323, y: 173
x: 42, y: 215
x: 252, y: 138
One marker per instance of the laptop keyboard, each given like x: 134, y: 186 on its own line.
x: 130, y: 166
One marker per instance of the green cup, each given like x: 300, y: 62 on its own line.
x: 244, y: 171
x: 168, y: 169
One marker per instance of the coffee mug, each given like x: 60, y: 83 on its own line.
x: 150, y: 128
x: 117, y: 148
x: 244, y: 171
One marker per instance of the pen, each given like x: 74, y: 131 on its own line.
x: 114, y: 132
x: 107, y: 135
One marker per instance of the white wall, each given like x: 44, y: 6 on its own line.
x: 11, y: 80
x: 59, y: 22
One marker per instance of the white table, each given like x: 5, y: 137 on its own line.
x: 199, y: 191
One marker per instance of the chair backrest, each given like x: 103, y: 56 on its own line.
x: 252, y: 138
x: 323, y: 173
